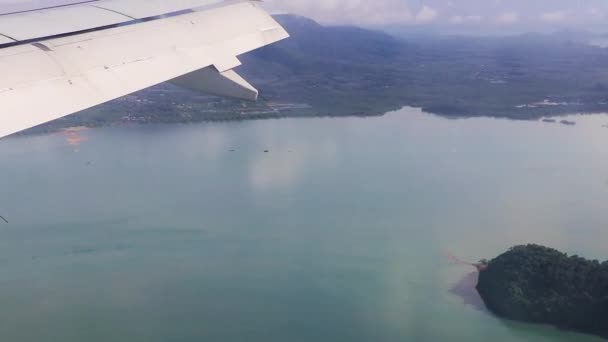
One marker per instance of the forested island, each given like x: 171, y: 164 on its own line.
x: 542, y: 285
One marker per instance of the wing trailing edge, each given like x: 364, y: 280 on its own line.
x: 211, y: 81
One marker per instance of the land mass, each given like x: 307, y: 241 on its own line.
x: 345, y: 71
x: 542, y: 285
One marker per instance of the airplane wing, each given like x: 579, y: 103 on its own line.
x: 59, y: 60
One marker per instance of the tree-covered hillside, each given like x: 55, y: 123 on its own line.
x: 346, y: 70
x: 542, y: 285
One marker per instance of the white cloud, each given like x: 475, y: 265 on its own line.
x: 469, y: 19
x: 595, y: 14
x: 358, y: 12
x: 554, y: 17
x: 457, y: 19
x: 509, y: 17
x: 426, y: 15
x: 529, y: 15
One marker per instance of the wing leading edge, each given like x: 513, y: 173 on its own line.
x: 54, y: 77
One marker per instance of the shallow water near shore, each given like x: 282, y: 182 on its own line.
x: 345, y: 230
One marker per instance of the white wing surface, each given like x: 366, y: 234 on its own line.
x: 61, y: 60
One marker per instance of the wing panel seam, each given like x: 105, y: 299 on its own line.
x: 8, y: 37
x: 113, y: 11
x: 50, y: 7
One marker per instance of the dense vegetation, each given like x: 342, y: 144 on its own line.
x: 336, y: 71
x: 347, y: 70
x: 542, y: 285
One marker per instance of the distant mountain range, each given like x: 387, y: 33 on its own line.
x: 338, y: 71
x: 349, y: 70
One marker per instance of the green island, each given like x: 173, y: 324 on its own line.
x: 537, y: 284
x: 350, y: 71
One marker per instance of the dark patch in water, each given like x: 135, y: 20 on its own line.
x: 466, y: 289
x: 80, y: 251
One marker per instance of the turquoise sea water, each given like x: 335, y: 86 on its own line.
x: 345, y: 230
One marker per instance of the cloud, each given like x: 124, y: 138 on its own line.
x: 509, y: 17
x: 469, y: 19
x: 529, y: 15
x: 554, y: 17
x: 426, y: 15
x: 357, y: 12
x: 485, y: 14
x: 596, y: 14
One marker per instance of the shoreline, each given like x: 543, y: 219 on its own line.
x: 54, y: 127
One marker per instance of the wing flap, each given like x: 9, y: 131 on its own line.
x: 211, y: 81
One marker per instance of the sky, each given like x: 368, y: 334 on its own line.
x: 458, y: 15
x: 473, y: 16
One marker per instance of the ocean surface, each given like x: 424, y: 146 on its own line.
x: 346, y: 229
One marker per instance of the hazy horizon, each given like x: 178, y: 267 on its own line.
x: 454, y: 16
x: 470, y: 17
